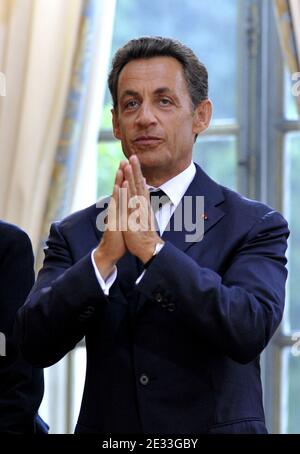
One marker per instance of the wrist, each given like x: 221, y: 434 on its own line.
x: 104, y: 264
x: 156, y: 248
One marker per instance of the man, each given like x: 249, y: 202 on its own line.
x: 173, y: 328
x: 21, y: 385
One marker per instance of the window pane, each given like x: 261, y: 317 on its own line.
x: 292, y: 213
x: 290, y: 106
x: 53, y: 408
x: 78, y: 378
x: 217, y: 156
x: 213, y: 37
x: 109, y: 156
x: 291, y: 391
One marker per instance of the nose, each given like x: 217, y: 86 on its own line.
x: 146, y: 116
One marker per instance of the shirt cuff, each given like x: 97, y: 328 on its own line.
x: 158, y: 249
x: 105, y: 285
x: 140, y: 278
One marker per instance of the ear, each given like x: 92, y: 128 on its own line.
x: 202, y: 116
x: 116, y: 125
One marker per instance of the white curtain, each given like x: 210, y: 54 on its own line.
x: 85, y: 188
x: 295, y: 13
x: 64, y: 381
x: 37, y: 42
x: 288, y: 22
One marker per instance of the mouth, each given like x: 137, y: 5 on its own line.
x: 148, y: 141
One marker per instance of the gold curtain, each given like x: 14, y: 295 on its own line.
x: 288, y: 22
x: 37, y: 42
x: 78, y: 114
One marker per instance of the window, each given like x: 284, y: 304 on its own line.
x: 252, y: 146
x: 282, y: 383
x: 291, y: 326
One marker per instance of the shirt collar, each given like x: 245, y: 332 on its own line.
x: 177, y: 186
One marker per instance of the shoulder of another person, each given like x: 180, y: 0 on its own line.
x: 11, y: 233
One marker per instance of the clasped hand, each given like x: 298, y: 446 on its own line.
x: 130, y: 220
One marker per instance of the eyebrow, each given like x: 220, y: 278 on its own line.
x: 162, y: 90
x: 128, y: 93
x: 167, y: 91
x: 158, y: 91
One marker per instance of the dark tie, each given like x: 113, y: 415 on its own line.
x: 158, y: 199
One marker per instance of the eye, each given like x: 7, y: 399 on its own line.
x: 131, y: 104
x: 165, y: 102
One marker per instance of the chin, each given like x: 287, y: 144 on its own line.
x: 149, y: 159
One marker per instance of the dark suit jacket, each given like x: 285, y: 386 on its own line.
x: 21, y: 385
x: 179, y: 352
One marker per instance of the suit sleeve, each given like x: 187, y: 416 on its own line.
x: 236, y: 313
x: 60, y: 306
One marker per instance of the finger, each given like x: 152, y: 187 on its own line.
x: 130, y: 179
x: 137, y: 175
x: 123, y: 164
x: 116, y: 193
x: 119, y: 197
x: 123, y: 205
x: 147, y: 193
x: 125, y: 192
x: 125, y: 184
x: 121, y: 169
x: 119, y: 178
x: 111, y: 221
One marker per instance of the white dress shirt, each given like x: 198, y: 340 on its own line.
x: 175, y: 190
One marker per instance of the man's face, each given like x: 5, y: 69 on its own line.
x: 155, y: 118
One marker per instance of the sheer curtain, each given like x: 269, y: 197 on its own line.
x: 73, y: 183
x: 37, y: 43
x: 288, y: 21
x: 295, y: 13
x: 54, y: 56
x: 85, y: 187
x: 73, y: 180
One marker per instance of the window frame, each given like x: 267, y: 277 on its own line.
x: 267, y: 175
x: 260, y: 130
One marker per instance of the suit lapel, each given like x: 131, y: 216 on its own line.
x: 211, y: 213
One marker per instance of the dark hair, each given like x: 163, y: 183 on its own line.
x: 155, y: 46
